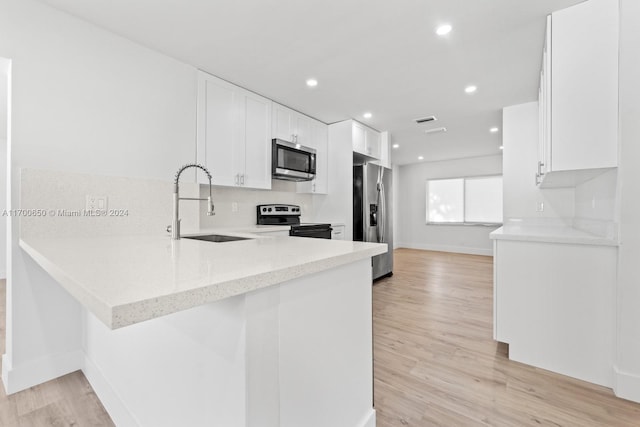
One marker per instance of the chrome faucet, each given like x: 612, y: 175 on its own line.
x: 175, y: 224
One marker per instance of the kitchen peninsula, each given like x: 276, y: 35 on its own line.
x: 267, y: 331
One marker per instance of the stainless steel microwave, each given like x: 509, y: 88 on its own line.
x: 292, y: 162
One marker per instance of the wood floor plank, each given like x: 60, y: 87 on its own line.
x: 434, y: 352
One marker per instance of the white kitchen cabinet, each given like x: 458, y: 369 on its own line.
x: 579, y: 93
x: 234, y: 134
x: 338, y: 232
x: 553, y: 305
x: 319, y: 141
x: 366, y: 141
x: 385, y: 150
x: 289, y: 125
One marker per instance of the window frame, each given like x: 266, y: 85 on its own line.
x: 464, y: 204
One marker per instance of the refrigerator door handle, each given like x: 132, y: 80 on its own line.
x: 381, y: 213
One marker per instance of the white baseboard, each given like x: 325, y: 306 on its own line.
x: 25, y: 375
x: 446, y: 248
x: 626, y: 385
x: 369, y: 420
x: 110, y: 399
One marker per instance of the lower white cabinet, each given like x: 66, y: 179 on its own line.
x: 338, y: 232
x: 234, y: 134
x: 554, y: 306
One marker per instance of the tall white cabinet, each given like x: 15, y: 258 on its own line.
x: 292, y: 126
x: 579, y: 94
x: 234, y: 134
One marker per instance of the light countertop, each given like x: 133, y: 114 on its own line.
x: 124, y: 280
x: 550, y: 234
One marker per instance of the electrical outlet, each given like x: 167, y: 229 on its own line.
x: 234, y: 207
x: 93, y: 203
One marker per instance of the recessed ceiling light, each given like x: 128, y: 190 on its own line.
x: 443, y: 30
x: 396, y: 145
x: 312, y: 83
x: 470, y: 89
x: 367, y: 115
x: 494, y: 130
x: 501, y: 147
x: 420, y: 158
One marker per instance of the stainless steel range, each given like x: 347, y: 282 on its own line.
x: 289, y: 215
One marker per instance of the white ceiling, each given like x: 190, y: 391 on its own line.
x: 380, y: 56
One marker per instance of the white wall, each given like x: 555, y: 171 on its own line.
x: 627, y: 367
x: 413, y: 232
x: 4, y: 111
x: 83, y: 100
x: 522, y: 197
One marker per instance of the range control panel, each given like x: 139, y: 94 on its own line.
x: 278, y: 210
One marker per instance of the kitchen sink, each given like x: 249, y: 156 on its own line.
x: 218, y: 238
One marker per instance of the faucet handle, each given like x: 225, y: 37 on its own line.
x: 169, y: 228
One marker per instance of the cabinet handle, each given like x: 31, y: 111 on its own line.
x: 242, y: 179
x: 237, y: 179
x: 537, y: 179
x: 540, y: 165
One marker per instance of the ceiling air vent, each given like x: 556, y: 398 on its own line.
x: 435, y: 130
x: 426, y: 120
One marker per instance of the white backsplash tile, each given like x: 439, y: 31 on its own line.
x: 148, y: 204
x: 283, y: 192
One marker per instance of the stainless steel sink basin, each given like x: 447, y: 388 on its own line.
x: 218, y: 238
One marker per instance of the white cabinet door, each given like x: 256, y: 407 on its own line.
x: 338, y: 232
x: 359, y: 138
x: 372, y: 143
x: 257, y: 141
x: 218, y: 127
x: 584, y: 93
x: 366, y: 141
x: 234, y: 134
x: 283, y: 123
x: 319, y: 141
x: 303, y: 129
x: 385, y: 151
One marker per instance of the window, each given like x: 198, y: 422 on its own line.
x: 465, y: 200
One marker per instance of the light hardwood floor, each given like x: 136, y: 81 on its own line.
x: 436, y: 363
x: 65, y: 401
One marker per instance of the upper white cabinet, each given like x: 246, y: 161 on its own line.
x: 385, y: 150
x: 366, y: 141
x: 234, y: 134
x: 579, y: 92
x: 292, y: 126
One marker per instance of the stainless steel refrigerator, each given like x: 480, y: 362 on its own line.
x: 372, y: 213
